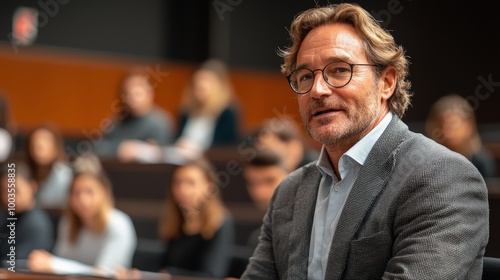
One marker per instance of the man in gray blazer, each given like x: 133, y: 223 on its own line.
x: 381, y: 202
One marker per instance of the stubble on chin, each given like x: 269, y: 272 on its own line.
x: 326, y: 130
x: 341, y: 129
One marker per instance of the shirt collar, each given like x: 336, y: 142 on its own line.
x: 359, y: 152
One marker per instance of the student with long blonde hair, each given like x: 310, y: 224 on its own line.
x: 208, y: 114
x: 93, y: 237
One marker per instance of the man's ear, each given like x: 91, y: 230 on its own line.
x: 387, y: 82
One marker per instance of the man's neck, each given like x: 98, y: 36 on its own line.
x: 336, y: 150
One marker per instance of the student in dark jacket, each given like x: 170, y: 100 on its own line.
x: 33, y: 227
x: 138, y: 118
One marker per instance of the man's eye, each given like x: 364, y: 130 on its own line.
x: 339, y: 70
x: 305, y: 77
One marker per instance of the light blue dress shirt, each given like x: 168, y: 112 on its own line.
x: 332, y: 195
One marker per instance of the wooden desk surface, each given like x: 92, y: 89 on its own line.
x: 5, y: 274
x: 18, y: 275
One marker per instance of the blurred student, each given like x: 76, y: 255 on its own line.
x: 197, y: 228
x: 33, y: 227
x: 452, y: 123
x: 262, y: 174
x: 93, y: 237
x: 209, y: 117
x: 282, y: 135
x: 6, y: 138
x: 138, y: 119
x: 48, y: 164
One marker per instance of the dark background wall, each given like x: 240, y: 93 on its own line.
x: 450, y: 43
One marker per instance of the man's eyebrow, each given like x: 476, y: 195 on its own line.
x: 303, y: 65
x: 329, y: 60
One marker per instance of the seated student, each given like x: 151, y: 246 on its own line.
x: 33, y: 226
x: 282, y: 135
x: 138, y: 119
x: 452, y: 123
x: 47, y: 161
x: 209, y: 117
x: 93, y: 236
x: 197, y: 228
x: 262, y: 174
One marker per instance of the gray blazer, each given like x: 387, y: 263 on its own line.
x: 416, y: 211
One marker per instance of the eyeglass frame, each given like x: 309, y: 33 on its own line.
x: 323, y: 74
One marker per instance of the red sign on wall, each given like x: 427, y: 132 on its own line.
x: 25, y: 25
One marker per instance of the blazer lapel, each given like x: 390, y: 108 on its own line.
x: 303, y: 215
x: 371, y: 179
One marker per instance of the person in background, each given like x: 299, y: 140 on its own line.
x: 262, y: 174
x: 94, y: 238
x: 33, y: 226
x: 48, y: 164
x: 138, y: 119
x: 209, y: 117
x: 452, y: 123
x: 6, y: 139
x: 282, y: 135
x: 197, y: 228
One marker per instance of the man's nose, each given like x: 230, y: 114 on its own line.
x: 320, y: 87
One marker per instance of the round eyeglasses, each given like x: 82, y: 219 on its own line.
x: 336, y: 74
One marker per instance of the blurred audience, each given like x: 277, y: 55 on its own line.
x: 48, y: 163
x: 197, y: 228
x: 138, y: 119
x: 93, y: 237
x: 33, y: 228
x: 452, y: 123
x: 6, y: 138
x: 282, y: 135
x: 263, y: 173
x: 209, y: 117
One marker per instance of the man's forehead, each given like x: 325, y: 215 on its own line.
x: 329, y: 43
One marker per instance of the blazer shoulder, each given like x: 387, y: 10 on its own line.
x: 429, y: 148
x: 424, y: 155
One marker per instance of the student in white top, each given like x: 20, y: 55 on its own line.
x: 93, y: 238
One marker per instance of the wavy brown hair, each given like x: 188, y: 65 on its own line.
x: 380, y: 46
x: 212, y: 213
x: 38, y: 171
